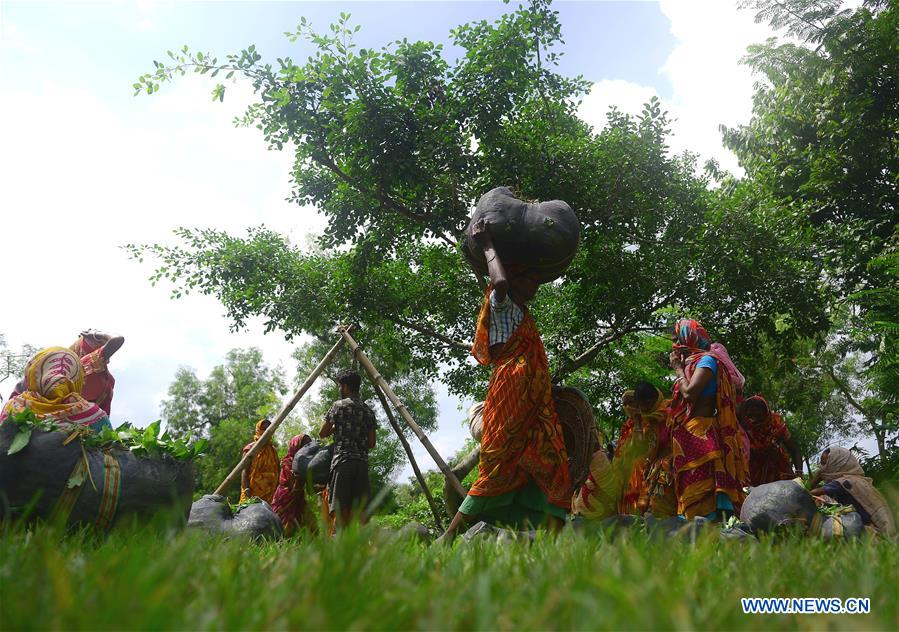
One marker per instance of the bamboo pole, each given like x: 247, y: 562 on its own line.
x: 399, y: 433
x: 404, y: 412
x: 282, y: 414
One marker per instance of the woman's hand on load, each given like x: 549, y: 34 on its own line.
x: 481, y: 232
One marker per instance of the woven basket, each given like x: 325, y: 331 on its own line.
x: 578, y: 428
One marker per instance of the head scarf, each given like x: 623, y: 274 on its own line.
x: 844, y: 468
x: 691, y: 336
x: 762, y: 401
x: 54, y: 378
x: 720, y: 352
x: 841, y: 463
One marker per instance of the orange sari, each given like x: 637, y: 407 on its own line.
x: 264, y: 469
x: 522, y: 437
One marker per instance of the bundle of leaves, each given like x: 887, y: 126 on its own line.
x: 835, y: 509
x: 142, y: 442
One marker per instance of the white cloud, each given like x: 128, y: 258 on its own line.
x: 15, y: 42
x: 79, y: 177
x: 627, y: 96
x: 709, y: 85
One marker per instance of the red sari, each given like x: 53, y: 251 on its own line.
x: 768, y: 460
x: 522, y: 436
x: 707, y: 453
x: 290, y: 498
x: 98, y: 381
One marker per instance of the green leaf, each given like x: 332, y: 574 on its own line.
x: 19, y: 441
x: 77, y: 477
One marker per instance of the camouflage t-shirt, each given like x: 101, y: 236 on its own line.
x: 352, y: 420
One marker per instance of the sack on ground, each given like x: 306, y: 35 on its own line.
x: 842, y: 526
x: 111, y: 483
x: 256, y: 520
x: 777, y: 504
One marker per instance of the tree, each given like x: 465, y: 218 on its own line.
x: 823, y: 146
x: 223, y: 408
x: 242, y: 388
x: 394, y: 146
x: 823, y: 140
x: 12, y: 363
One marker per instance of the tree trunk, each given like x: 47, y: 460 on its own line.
x: 879, y: 431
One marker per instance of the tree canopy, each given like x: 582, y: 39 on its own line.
x: 394, y: 146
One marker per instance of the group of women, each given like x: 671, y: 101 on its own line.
x: 707, y: 445
x: 272, y: 479
x: 692, y: 454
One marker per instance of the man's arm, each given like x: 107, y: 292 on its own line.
x: 326, y: 430
x: 793, y: 449
x: 372, y: 438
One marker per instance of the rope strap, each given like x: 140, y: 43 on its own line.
x: 112, y: 486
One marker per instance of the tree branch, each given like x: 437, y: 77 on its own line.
x: 450, y: 342
x: 585, y: 358
x: 383, y: 198
x: 844, y: 389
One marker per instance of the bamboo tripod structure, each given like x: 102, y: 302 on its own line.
x: 381, y: 389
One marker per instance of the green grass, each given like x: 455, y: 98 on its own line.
x: 159, y: 578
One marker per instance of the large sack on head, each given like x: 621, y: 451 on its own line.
x: 542, y: 236
x: 778, y: 503
x: 114, y: 483
x: 313, y: 462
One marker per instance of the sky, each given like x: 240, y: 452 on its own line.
x: 86, y: 167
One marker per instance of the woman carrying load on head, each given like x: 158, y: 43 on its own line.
x: 771, y: 445
x: 845, y: 482
x: 52, y: 386
x: 289, y: 501
x: 260, y: 477
x: 523, y: 474
x: 708, y: 458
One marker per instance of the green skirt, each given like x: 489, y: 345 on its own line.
x: 525, y: 506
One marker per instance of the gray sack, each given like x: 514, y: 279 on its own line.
x: 313, y: 462
x: 41, y: 470
x: 212, y: 513
x: 777, y: 504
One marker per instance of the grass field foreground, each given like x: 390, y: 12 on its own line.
x: 158, y: 578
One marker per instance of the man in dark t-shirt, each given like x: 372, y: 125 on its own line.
x: 352, y: 424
